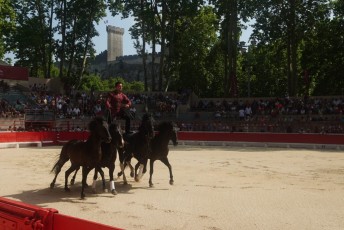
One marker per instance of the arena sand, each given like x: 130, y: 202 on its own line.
x: 215, y: 188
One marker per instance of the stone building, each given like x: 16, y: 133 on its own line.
x: 114, y: 42
x: 112, y: 63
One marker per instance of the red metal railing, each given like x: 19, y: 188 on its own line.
x: 18, y: 215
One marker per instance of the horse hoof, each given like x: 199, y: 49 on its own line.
x: 114, y: 192
x: 72, y: 182
x: 132, y: 174
x: 151, y: 185
x: 52, y: 185
x: 137, y: 179
x: 171, y: 182
x: 119, y: 174
x: 106, y: 190
x: 82, y: 197
x: 125, y: 182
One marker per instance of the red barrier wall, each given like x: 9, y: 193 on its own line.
x: 53, y: 137
x: 58, y: 137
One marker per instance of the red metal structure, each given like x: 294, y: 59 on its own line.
x: 16, y: 215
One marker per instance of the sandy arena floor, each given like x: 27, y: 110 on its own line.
x: 215, y: 188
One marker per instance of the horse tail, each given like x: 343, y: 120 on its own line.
x: 63, y: 158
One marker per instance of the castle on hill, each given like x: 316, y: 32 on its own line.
x: 112, y: 62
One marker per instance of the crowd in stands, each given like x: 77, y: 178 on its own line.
x: 80, y: 104
x: 7, y: 110
x: 309, y: 114
x: 312, y: 115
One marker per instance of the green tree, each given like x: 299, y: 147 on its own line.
x: 195, y: 37
x: 285, y: 24
x: 7, y: 25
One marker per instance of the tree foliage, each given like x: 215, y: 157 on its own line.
x: 299, y: 47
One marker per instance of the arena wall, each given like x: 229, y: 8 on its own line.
x: 336, y: 141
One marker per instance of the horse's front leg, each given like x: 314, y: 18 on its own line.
x: 95, y: 177
x: 122, y: 172
x: 131, y: 169
x: 112, y: 182
x: 85, y: 171
x: 103, y: 178
x: 167, y: 163
x: 138, y: 175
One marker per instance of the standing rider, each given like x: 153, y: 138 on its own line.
x: 118, y: 104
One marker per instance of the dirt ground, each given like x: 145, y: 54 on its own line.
x: 215, y: 188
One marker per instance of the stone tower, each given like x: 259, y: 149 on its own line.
x: 114, y: 42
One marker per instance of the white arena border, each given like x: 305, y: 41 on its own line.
x: 262, y: 144
x: 23, y: 144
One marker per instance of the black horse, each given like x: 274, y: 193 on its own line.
x: 86, y: 154
x: 109, y: 155
x: 137, y: 145
x: 166, y: 131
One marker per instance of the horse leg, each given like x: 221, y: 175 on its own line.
x: 57, y: 168
x: 122, y: 171
x: 103, y: 178
x: 67, y: 173
x: 131, y: 169
x: 85, y: 171
x: 95, y: 176
x: 167, y: 163
x: 112, y: 182
x: 72, y: 181
x: 96, y: 170
x: 138, y: 175
x: 151, y: 163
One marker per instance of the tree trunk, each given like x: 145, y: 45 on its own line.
x: 63, y: 36
x: 143, y: 52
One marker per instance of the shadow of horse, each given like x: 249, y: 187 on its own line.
x: 86, y: 154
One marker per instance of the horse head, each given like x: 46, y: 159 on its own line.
x: 169, y: 129
x: 116, y: 135
x: 147, y: 125
x: 100, y: 128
